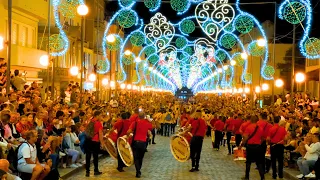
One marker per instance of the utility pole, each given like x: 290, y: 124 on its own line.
x: 9, y: 45
x: 293, y: 59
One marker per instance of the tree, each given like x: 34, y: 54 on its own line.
x: 285, y: 68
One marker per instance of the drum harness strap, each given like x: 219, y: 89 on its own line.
x: 251, y: 135
x: 121, y: 129
x: 274, y: 136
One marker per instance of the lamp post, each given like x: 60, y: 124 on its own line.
x: 300, y: 77
x: 82, y: 11
x: 9, y: 44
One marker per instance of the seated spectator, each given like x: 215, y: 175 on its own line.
x: 3, y: 175
x: 27, y: 158
x: 311, y: 156
x: 22, y: 126
x: 315, y: 126
x: 66, y: 147
x: 4, y: 166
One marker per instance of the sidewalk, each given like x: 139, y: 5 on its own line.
x: 290, y: 173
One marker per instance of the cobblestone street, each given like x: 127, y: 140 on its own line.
x: 159, y: 164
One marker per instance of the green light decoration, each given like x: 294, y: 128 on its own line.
x: 102, y: 66
x: 153, y: 59
x: 151, y: 4
x: 188, y: 50
x: 228, y: 28
x: 148, y: 72
x: 269, y: 71
x: 220, y: 55
x: 127, y: 60
x: 143, y: 82
x: 181, y: 42
x: 68, y: 8
x: 187, y: 26
x: 228, y: 71
x: 148, y: 41
x: 134, y: 78
x: 244, y: 24
x: 141, y: 65
x: 209, y: 27
x: 114, y: 46
x: 312, y: 46
x: 126, y: 3
x: 119, y: 76
x: 228, y: 41
x: 56, y: 43
x: 256, y: 50
x: 238, y: 59
x: 294, y: 12
x: 137, y: 38
x: 179, y: 5
x: 248, y: 77
x: 149, y: 50
x: 126, y: 18
x: 165, y: 72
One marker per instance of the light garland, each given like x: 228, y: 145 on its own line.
x: 114, y: 46
x: 56, y: 43
x: 181, y: 6
x: 312, y: 46
x: 137, y: 38
x: 269, y: 71
x: 152, y: 5
x: 181, y: 42
x: 228, y: 41
x: 127, y: 18
x: 187, y: 26
x: 255, y: 50
x: 128, y: 59
x: 244, y: 24
x: 294, y: 12
x: 102, y: 66
x: 68, y: 8
x: 126, y: 3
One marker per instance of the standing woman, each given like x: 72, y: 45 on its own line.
x: 198, y: 130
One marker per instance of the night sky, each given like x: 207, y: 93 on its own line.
x: 262, y: 12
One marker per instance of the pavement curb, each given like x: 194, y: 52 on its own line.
x: 288, y: 175
x: 76, y: 170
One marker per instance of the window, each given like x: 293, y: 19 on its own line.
x: 14, y: 35
x: 23, y: 36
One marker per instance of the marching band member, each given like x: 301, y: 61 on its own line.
x: 121, y: 126
x: 218, y: 128
x: 198, y: 129
x: 140, y: 129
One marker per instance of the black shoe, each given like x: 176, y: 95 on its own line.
x: 138, y: 175
x: 97, y: 173
x: 146, y: 150
x: 197, y: 169
x: 120, y: 169
x: 87, y: 174
x: 192, y: 170
x: 266, y: 172
x: 154, y: 143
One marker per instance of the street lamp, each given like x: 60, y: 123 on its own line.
x: 246, y: 90
x: 225, y: 67
x: 44, y: 60
x: 257, y: 89
x: 92, y: 77
x: 105, y: 81
x: 82, y: 10
x: 1, y: 43
x: 111, y: 38
x: 265, y: 87
x: 74, y: 71
x: 279, y: 83
x: 127, y: 52
x: 138, y: 59
x: 129, y: 86
x: 122, y: 86
x: 233, y: 62
x: 244, y: 55
x: 261, y: 42
x: 300, y: 77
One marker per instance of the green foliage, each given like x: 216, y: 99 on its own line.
x: 153, y: 59
x: 220, y: 55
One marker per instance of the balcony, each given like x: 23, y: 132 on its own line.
x: 312, y: 65
x: 27, y: 57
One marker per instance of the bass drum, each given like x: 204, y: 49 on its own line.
x: 110, y: 146
x: 125, y: 151
x: 180, y: 148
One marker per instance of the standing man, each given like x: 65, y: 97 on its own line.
x: 276, y: 138
x: 229, y: 128
x: 140, y: 129
x: 92, y: 144
x: 236, y: 129
x: 252, y: 139
x: 198, y: 130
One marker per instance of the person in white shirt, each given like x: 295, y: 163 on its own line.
x: 310, y: 158
x: 27, y: 158
x: 113, y: 103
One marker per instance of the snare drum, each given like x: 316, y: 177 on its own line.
x: 239, y: 154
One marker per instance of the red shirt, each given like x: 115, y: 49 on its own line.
x: 213, y: 121
x: 236, y: 128
x: 219, y: 125
x: 199, y: 127
x: 97, y: 127
x: 189, y: 122
x: 265, y: 126
x: 123, y: 126
x: 229, y: 124
x: 277, y: 134
x: 133, y: 118
x: 244, y: 126
x: 256, y: 138
x: 143, y: 126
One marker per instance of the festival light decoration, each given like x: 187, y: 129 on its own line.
x: 113, y: 42
x: 279, y: 83
x: 44, y: 60
x: 255, y: 50
x: 127, y: 18
x: 181, y: 6
x: 243, y: 24
x: 228, y: 41
x: 68, y: 8
x: 265, y: 86
x: 137, y: 38
x: 152, y: 5
x: 126, y: 3
x: 181, y: 42
x: 105, y: 81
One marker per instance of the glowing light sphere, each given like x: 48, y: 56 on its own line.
x: 312, y: 46
x: 82, y: 10
x: 240, y: 90
x: 187, y: 26
x: 244, y: 24
x: 152, y: 4
x: 179, y: 5
x: 181, y: 42
x: 248, y: 77
x: 126, y: 3
x: 102, y: 66
x: 261, y: 42
x: 92, y: 77
x: 105, y: 81
x: 225, y: 67
x: 220, y: 55
x: 137, y: 38
x: 127, y: 52
x: 111, y: 38
x: 56, y: 43
x: 233, y: 62
x: 153, y: 59
x: 294, y: 12
x: 149, y: 50
x: 255, y: 49
x: 228, y: 41
x: 246, y: 90
x: 74, y: 71
x: 128, y: 59
x: 127, y: 18
x: 269, y: 71
x: 68, y: 8
x: 239, y: 60
x: 44, y: 60
x: 257, y: 89
x: 300, y: 77
x: 122, y: 86
x: 138, y: 59
x: 279, y: 83
x: 114, y: 45
x: 244, y: 55
x: 1, y: 43
x: 265, y: 86
x: 188, y: 50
